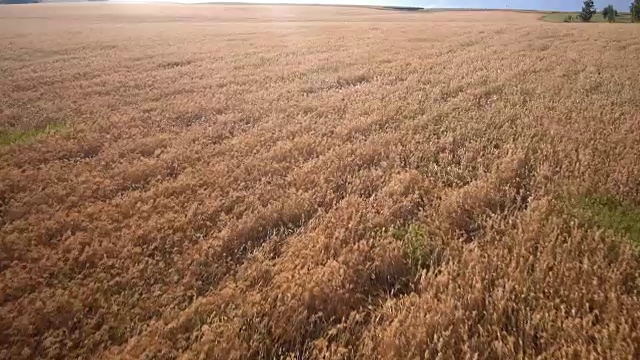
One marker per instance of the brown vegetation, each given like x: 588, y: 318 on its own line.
x: 312, y: 182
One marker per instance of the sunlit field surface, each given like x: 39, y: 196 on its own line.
x: 271, y: 182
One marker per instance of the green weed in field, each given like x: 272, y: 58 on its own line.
x: 615, y: 215
x: 23, y: 136
x: 421, y: 253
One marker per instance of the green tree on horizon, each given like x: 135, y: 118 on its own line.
x: 588, y: 10
x: 635, y: 10
x: 610, y: 13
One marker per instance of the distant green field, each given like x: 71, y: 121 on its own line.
x: 597, y: 18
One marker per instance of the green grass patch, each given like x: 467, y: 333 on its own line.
x: 609, y: 213
x: 24, y: 136
x: 420, y: 251
x: 597, y: 18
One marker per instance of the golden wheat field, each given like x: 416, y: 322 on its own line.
x: 291, y: 182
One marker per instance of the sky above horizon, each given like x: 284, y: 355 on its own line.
x: 557, y: 5
x: 563, y: 5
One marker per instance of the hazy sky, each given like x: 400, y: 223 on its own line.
x: 622, y: 5
x: 567, y: 5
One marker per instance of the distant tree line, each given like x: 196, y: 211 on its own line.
x: 609, y: 13
x: 18, y: 1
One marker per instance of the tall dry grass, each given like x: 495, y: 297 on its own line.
x: 311, y: 182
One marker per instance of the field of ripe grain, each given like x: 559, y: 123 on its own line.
x: 263, y: 182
